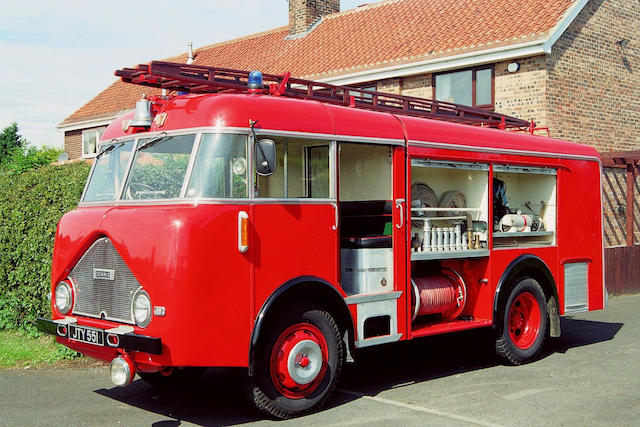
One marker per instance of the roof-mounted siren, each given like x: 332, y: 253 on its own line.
x: 254, y: 82
x: 142, y: 116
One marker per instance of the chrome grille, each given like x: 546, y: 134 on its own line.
x: 103, y: 284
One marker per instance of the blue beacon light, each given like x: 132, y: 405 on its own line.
x: 254, y: 83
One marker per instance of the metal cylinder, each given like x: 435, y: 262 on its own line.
x: 427, y: 236
x: 452, y: 238
x: 445, y: 239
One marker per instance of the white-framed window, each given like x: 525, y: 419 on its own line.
x: 90, y: 138
x: 473, y: 87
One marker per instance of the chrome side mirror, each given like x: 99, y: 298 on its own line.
x: 265, y: 154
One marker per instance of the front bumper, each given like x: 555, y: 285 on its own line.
x: 120, y: 337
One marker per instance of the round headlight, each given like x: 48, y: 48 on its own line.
x: 141, y: 308
x: 64, y: 297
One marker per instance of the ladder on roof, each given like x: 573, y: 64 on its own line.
x: 202, y: 79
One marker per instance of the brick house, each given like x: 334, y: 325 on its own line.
x: 571, y: 65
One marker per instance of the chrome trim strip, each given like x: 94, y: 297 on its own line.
x: 362, y: 299
x: 285, y: 169
x: 204, y: 129
x: 251, y: 178
x: 196, y: 202
x: 526, y: 169
x: 443, y: 164
x: 125, y: 176
x: 456, y: 147
x: 68, y: 320
x: 378, y: 340
x: 336, y: 137
x: 192, y: 159
x: 122, y: 329
x: 333, y: 170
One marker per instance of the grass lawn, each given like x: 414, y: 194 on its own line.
x: 18, y: 349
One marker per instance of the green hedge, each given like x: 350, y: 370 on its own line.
x: 31, y: 203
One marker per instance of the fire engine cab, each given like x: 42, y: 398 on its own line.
x: 279, y: 225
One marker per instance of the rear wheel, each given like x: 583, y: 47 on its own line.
x: 523, y: 322
x: 298, y: 364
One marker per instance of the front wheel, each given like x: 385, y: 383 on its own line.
x: 298, y: 364
x: 522, y: 325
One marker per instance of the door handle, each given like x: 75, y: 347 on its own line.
x: 335, y: 225
x: 399, y: 203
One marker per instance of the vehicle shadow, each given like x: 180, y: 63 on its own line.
x: 218, y: 398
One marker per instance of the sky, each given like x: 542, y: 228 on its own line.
x: 57, y: 55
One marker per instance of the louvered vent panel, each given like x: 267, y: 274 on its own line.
x: 575, y: 287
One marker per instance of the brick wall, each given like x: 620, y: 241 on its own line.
x: 304, y: 13
x: 522, y: 94
x: 419, y: 86
x: 594, y: 84
x: 73, y: 144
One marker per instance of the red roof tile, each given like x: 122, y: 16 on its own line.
x: 365, y: 38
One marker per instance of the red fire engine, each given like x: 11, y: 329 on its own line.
x: 280, y: 225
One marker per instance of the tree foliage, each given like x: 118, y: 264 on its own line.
x: 10, y: 140
x: 31, y: 203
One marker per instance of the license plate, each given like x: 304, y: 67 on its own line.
x: 84, y: 334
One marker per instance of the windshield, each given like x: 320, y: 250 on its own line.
x: 220, y: 168
x: 159, y: 168
x: 108, y: 174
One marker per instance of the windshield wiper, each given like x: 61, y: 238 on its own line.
x: 105, y: 151
x: 152, y: 141
x: 109, y: 149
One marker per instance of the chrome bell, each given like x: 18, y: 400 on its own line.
x: 142, y: 116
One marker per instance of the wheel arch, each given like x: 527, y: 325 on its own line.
x: 301, y: 289
x: 534, y: 267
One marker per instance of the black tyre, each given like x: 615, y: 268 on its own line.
x: 297, y: 364
x: 522, y: 322
x: 173, y: 376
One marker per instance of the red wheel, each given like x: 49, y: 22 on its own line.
x: 524, y: 320
x: 522, y: 324
x: 297, y: 363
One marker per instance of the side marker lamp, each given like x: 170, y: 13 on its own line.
x: 243, y: 231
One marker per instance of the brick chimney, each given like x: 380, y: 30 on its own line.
x: 304, y: 13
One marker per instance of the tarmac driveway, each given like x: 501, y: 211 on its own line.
x: 590, y: 376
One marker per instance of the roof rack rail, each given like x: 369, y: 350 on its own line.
x: 202, y: 79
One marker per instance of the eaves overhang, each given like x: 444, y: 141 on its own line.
x: 90, y: 123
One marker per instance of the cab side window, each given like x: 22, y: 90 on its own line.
x: 302, y: 170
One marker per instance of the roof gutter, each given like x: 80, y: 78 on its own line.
x: 468, y: 59
x: 87, y: 124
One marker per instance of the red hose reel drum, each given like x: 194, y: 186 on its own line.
x: 445, y: 294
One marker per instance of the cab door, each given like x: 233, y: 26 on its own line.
x: 294, y: 216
